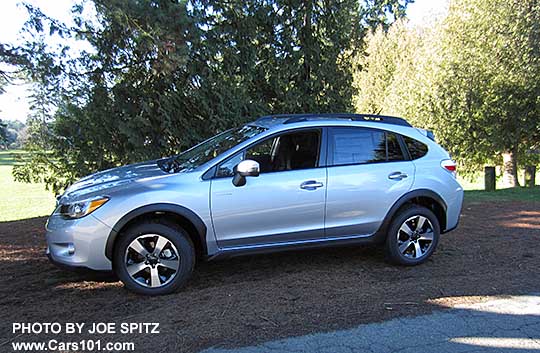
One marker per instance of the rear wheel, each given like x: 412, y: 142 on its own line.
x: 153, y: 258
x: 412, y: 236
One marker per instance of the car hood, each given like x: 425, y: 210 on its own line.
x: 111, y: 178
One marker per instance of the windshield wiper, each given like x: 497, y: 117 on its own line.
x: 169, y: 165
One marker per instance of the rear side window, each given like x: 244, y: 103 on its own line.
x: 363, y: 145
x: 416, y: 148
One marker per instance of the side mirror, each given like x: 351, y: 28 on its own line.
x: 248, y: 168
x: 244, y: 169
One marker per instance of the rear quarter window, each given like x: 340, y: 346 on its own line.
x: 416, y: 148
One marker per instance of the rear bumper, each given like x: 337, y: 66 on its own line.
x: 78, y: 244
x: 453, y: 211
x: 448, y: 230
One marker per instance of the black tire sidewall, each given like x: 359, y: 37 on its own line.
x: 176, y: 235
x: 392, y: 249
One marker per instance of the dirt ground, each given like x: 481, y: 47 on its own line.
x: 495, y: 251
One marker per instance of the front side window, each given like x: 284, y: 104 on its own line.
x: 289, y: 151
x: 363, y: 145
x: 210, y: 149
x: 226, y: 168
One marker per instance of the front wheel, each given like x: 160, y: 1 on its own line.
x: 412, y: 236
x: 154, y: 258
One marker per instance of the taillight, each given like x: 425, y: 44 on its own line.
x: 449, y: 165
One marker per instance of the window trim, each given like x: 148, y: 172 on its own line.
x: 404, y: 147
x: 407, y: 147
x: 330, y: 147
x: 211, y: 173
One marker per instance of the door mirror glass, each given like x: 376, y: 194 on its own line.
x: 248, y: 168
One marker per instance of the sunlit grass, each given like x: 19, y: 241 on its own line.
x: 476, y: 182
x: 510, y: 194
x: 21, y: 200
x: 474, y: 190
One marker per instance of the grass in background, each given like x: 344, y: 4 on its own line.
x: 511, y: 194
x: 474, y: 190
x: 477, y: 182
x: 8, y: 158
x: 21, y: 200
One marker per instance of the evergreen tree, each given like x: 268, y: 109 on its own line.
x: 474, y: 79
x: 163, y: 75
x: 3, y: 133
x: 490, y: 80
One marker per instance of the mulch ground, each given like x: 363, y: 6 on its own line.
x: 247, y: 300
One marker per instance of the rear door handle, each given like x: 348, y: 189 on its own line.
x: 310, y: 185
x: 397, y: 176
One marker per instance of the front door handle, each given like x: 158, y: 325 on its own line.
x: 310, y: 185
x: 397, y: 176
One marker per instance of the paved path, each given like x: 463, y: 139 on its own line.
x: 500, y: 325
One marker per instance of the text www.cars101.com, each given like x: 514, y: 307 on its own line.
x: 83, y: 345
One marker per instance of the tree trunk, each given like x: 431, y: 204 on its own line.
x: 489, y: 178
x: 530, y: 176
x: 510, y: 177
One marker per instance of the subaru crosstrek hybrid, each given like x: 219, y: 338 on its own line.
x: 280, y: 183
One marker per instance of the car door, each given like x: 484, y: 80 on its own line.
x: 367, y: 173
x: 285, y: 203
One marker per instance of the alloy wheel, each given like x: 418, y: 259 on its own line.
x: 152, y: 260
x: 415, y: 237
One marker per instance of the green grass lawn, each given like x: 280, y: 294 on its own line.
x: 474, y: 190
x: 512, y: 194
x: 21, y: 200
x: 477, y: 181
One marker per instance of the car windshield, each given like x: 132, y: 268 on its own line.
x: 209, y: 149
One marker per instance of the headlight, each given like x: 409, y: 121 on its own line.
x: 81, y: 208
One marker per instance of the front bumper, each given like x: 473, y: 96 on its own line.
x: 78, y: 243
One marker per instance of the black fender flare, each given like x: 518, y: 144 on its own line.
x: 403, y: 200
x: 156, y: 208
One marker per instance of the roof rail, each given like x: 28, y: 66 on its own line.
x: 297, y: 118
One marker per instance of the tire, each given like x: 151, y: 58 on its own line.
x: 412, y: 236
x: 146, y: 270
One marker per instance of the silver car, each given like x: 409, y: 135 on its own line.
x: 280, y: 183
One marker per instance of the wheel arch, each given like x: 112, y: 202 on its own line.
x: 176, y: 214
x: 422, y: 197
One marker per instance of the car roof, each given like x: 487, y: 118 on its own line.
x: 283, y: 119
